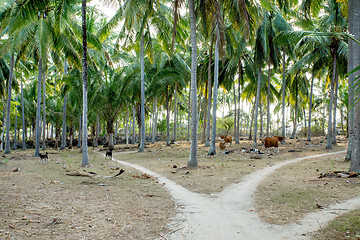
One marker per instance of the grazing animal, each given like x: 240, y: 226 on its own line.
x: 44, y: 157
x: 226, y: 138
x: 272, y: 142
x: 108, y: 154
x: 222, y: 145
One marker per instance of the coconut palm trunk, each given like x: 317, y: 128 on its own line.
x: 335, y: 108
x: 239, y: 123
x: 310, y: 108
x: 268, y: 103
x: 235, y: 114
x: 142, y: 103
x: 167, y: 117
x: 3, y: 129
x: 154, y: 127
x: 207, y: 137
x: 175, y: 114
x: 127, y: 127
x: 330, y: 107
x: 351, y: 78
x: 189, y: 115
x: 8, y: 106
x: 212, y: 150
x: 354, y: 12
x: 295, y: 112
x: 97, y: 131
x: 79, y: 137
x: 23, y: 118
x: 252, y: 110
x: 63, y: 137
x: 133, y: 126
x: 44, y: 114
x: 116, y: 132
x: 257, y: 103
x: 193, y: 162
x: 15, y: 130
x: 283, y: 94
x: 38, y: 113
x: 85, y: 155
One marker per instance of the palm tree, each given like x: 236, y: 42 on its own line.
x: 8, y: 105
x: 193, y: 162
x: 354, y: 10
x: 85, y: 155
x: 351, y: 78
x: 63, y: 137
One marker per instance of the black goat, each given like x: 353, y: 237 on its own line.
x: 44, y: 157
x: 108, y: 154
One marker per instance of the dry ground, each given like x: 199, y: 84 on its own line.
x: 40, y: 202
x: 133, y: 208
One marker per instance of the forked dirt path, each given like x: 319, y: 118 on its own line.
x: 230, y: 214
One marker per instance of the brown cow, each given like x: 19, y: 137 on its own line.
x: 222, y: 145
x: 272, y: 142
x: 227, y: 138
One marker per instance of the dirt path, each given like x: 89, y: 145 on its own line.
x: 230, y: 214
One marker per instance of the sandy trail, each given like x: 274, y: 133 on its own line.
x: 230, y: 214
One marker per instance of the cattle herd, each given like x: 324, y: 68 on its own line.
x: 268, y: 142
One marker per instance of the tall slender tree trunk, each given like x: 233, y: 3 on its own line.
x: 323, y: 117
x: 167, y: 117
x: 268, y: 103
x: 127, y: 127
x: 154, y: 128
x: 116, y: 132
x: 189, y: 115
x: 79, y: 137
x: 207, y: 137
x: 142, y: 103
x: 133, y: 126
x: 23, y: 118
x: 44, y: 114
x: 354, y: 14
x: 64, y: 128
x: 283, y: 95
x: 295, y: 111
x: 15, y: 135
x: 205, y: 112
x: 38, y: 109
x: 335, y: 108
x: 193, y: 162
x: 97, y: 131
x: 310, y: 107
x: 237, y: 140
x: 85, y: 155
x: 3, y: 129
x: 235, y: 113
x: 252, y: 120
x: 8, y: 105
x: 257, y: 103
x: 63, y: 137
x: 175, y: 114
x: 329, y: 133
x: 351, y: 86
x: 212, y: 150
x: 261, y: 119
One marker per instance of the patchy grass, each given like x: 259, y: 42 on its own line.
x: 295, y: 190
x: 343, y: 227
x: 133, y: 208
x: 40, y: 202
x: 214, y: 172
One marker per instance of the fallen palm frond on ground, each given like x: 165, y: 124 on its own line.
x: 91, y: 174
x: 339, y: 174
